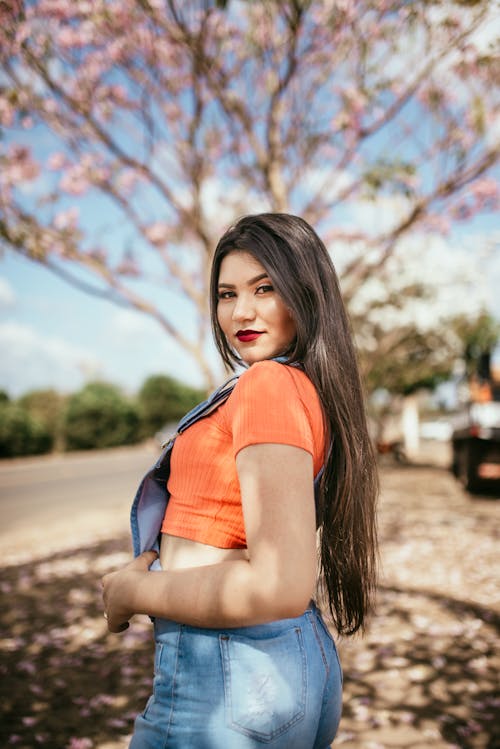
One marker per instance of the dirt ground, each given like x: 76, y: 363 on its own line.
x: 424, y: 675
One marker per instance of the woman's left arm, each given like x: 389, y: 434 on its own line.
x: 278, y: 579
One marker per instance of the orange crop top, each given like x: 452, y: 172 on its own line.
x: 271, y: 402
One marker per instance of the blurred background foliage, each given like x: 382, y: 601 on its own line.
x: 21, y: 433
x: 163, y: 399
x: 98, y: 416
x: 101, y: 415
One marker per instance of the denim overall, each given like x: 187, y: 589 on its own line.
x: 276, y: 685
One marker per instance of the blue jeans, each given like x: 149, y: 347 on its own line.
x: 277, y: 685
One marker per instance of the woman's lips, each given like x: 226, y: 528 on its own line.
x: 247, y: 335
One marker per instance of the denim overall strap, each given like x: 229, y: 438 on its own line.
x: 151, y: 498
x: 206, y: 408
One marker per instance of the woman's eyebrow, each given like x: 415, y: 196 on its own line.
x: 250, y: 282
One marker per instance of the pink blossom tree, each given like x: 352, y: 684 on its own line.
x: 375, y: 120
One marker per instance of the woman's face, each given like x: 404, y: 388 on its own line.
x: 251, y: 314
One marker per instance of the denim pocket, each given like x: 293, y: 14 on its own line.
x: 265, y: 683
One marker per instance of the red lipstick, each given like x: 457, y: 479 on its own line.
x: 247, y: 335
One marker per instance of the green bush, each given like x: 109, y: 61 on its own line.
x: 100, y: 416
x: 163, y: 399
x: 21, y: 433
x: 47, y: 406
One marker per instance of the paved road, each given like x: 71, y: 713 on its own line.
x: 92, y: 490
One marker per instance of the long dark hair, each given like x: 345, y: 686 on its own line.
x: 303, y: 274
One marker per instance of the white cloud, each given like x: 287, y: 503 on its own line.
x: 328, y: 182
x: 138, y: 347
x: 7, y: 294
x: 492, y: 273
x: 128, y: 328
x: 30, y: 361
x: 448, y: 271
x: 223, y: 202
x: 380, y: 215
x: 485, y: 38
x: 125, y: 325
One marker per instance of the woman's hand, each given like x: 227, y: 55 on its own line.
x: 118, y: 589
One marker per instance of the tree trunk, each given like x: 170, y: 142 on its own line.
x: 410, y: 426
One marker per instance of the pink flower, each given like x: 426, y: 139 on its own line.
x: 119, y: 94
x: 27, y: 666
x: 6, y: 112
x: 74, y: 182
x: 59, y: 9
x: 127, y: 180
x: 71, y: 37
x: 57, y: 161
x: 485, y: 189
x: 128, y: 267
x: 158, y: 233
x: 21, y: 167
x: 50, y: 106
x: 438, y: 223
x: 117, y: 50
x: 79, y: 743
x: 117, y: 723
x: 66, y: 219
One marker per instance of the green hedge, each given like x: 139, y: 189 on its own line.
x: 162, y: 399
x: 21, y: 433
x: 100, y: 416
x: 47, y: 406
x: 97, y: 416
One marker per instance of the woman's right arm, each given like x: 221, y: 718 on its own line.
x: 278, y: 579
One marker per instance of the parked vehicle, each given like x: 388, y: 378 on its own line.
x: 394, y: 448
x: 476, y: 445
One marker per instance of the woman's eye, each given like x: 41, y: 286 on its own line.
x: 225, y: 294
x: 264, y: 288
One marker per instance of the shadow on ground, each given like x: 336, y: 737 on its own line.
x: 64, y: 678
x: 425, y: 675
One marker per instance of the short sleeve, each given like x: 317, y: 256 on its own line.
x: 266, y: 407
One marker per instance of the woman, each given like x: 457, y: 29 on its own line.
x: 243, y: 656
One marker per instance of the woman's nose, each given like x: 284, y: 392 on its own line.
x: 244, y: 308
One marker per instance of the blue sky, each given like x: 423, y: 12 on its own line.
x: 52, y: 335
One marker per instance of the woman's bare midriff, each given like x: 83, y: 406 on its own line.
x: 181, y: 553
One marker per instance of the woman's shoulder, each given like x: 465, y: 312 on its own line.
x: 274, y: 402
x: 278, y: 378
x: 262, y: 370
